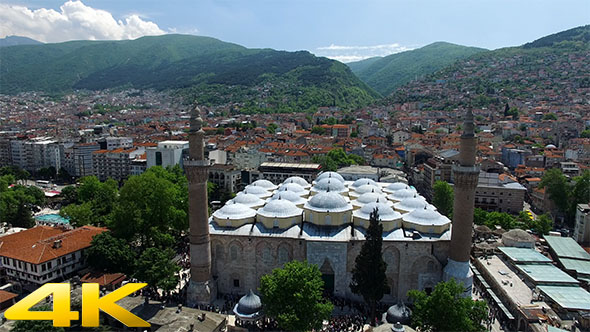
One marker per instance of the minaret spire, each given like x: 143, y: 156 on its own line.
x: 201, y: 288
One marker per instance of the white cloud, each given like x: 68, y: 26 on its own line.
x: 74, y: 21
x: 345, y: 53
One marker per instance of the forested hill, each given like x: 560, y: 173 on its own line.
x: 16, y: 40
x: 552, y: 70
x: 387, y: 73
x: 214, y: 72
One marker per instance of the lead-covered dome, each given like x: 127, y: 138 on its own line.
x: 328, y: 201
x: 426, y: 220
x: 329, y: 175
x: 250, y: 200
x: 330, y: 185
x: 293, y: 187
x: 279, y: 208
x: 257, y: 190
x: 264, y: 184
x: 289, y: 196
x: 393, y: 187
x: 249, y: 307
x: 385, y: 212
x: 298, y: 180
x: 411, y: 204
x: 362, y: 182
x: 234, y: 211
x: 400, y: 195
x: 368, y: 188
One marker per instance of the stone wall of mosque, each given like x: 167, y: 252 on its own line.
x: 238, y: 262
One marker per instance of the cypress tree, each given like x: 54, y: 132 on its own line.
x: 368, y: 275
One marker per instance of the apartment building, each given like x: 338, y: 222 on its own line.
x: 114, y: 164
x: 499, y: 192
x: 167, y: 153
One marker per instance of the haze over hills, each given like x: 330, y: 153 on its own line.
x: 17, y: 40
x: 212, y: 71
x: 552, y: 70
x: 387, y: 73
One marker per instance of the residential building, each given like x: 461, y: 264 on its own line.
x: 438, y: 168
x: 114, y: 164
x: 582, y: 227
x: 78, y: 159
x: 43, y: 254
x: 227, y: 177
x: 112, y: 143
x: 279, y: 172
x: 167, y: 153
x: 499, y: 192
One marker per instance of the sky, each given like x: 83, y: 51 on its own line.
x: 345, y: 30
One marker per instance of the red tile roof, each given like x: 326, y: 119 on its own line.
x: 103, y: 279
x: 36, y: 245
x: 5, y: 296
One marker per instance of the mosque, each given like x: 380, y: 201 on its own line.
x: 323, y: 222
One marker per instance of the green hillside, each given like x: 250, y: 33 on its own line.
x: 214, y: 72
x: 552, y: 70
x: 387, y: 73
x: 17, y: 40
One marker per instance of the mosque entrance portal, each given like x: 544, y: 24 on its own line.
x: 328, y: 277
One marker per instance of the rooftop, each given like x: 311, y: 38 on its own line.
x: 566, y: 247
x: 546, y: 273
x: 523, y: 255
x: 567, y: 297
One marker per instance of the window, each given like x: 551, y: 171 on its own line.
x: 20, y: 266
x: 234, y: 253
x: 328, y: 220
x: 283, y: 255
x: 48, y: 265
x: 236, y: 283
x: 275, y: 224
x: 158, y: 158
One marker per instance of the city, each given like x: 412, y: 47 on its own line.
x: 262, y: 198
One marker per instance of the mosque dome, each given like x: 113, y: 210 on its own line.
x: 327, y: 201
x: 250, y: 200
x: 371, y: 197
x: 329, y: 175
x: 293, y: 187
x: 264, y: 184
x: 249, y: 307
x: 413, y: 203
x: 331, y: 185
x: 398, y: 313
x: 386, y: 213
x: 426, y: 221
x: 234, y: 211
x: 400, y: 195
x: 280, y: 208
x: 391, y: 188
x: 257, y: 190
x: 368, y: 188
x: 289, y: 196
x: 518, y: 238
x: 298, y: 180
x: 363, y: 181
x: 550, y: 146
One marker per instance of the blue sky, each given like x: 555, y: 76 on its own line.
x: 346, y: 30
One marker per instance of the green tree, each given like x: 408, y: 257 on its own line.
x: 557, y: 187
x: 79, y: 214
x: 293, y: 296
x: 272, y: 128
x: 447, y: 310
x: 110, y: 254
x: 157, y: 268
x: 318, y: 130
x: 550, y: 116
x: 69, y: 195
x: 16, y: 204
x: 443, y: 198
x: 585, y: 133
x: 368, y: 275
x: 36, y: 325
x: 354, y: 134
x: 543, y: 224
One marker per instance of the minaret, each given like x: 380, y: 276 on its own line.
x: 465, y: 175
x: 201, y: 289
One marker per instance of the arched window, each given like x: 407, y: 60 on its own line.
x: 266, y: 255
x: 234, y: 253
x: 328, y: 220
x: 283, y: 255
x: 219, y: 252
x: 430, y: 268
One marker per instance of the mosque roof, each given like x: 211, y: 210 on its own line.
x: 249, y: 307
x: 368, y: 188
x: 298, y: 180
x: 371, y: 197
x: 328, y: 201
x: 413, y: 203
x: 264, y: 184
x: 400, y: 195
x: 329, y: 175
x: 234, y: 211
x: 425, y: 217
x: 329, y: 184
x: 294, y: 187
x: 249, y: 200
x: 363, y: 181
x: 289, y: 196
x: 386, y: 213
x: 257, y: 190
x: 395, y: 187
x: 280, y: 208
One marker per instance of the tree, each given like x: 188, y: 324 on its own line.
x: 79, y: 214
x: 447, y: 310
x: 17, y: 203
x: 36, y: 325
x: 585, y: 133
x: 368, y: 274
x: 550, y: 116
x: 110, y: 254
x: 156, y: 267
x: 337, y: 158
x: 543, y: 224
x: 354, y: 134
x: 293, y: 296
x: 272, y: 128
x: 318, y: 130
x: 443, y: 198
x: 556, y: 186
x: 69, y: 195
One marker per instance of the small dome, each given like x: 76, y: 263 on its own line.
x: 368, y: 188
x: 289, y: 196
x: 395, y: 187
x: 249, y: 200
x: 264, y: 184
x: 400, y: 195
x: 371, y: 197
x: 294, y: 187
x: 297, y: 179
x: 234, y: 211
x: 328, y: 201
x: 386, y: 213
x: 329, y: 175
x: 398, y: 313
x: 411, y: 204
x: 518, y: 238
x: 257, y: 190
x: 550, y: 146
x: 363, y: 181
x: 249, y: 307
x: 425, y: 217
x: 329, y: 185
x: 279, y: 208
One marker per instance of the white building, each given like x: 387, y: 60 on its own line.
x: 167, y: 153
x: 582, y: 227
